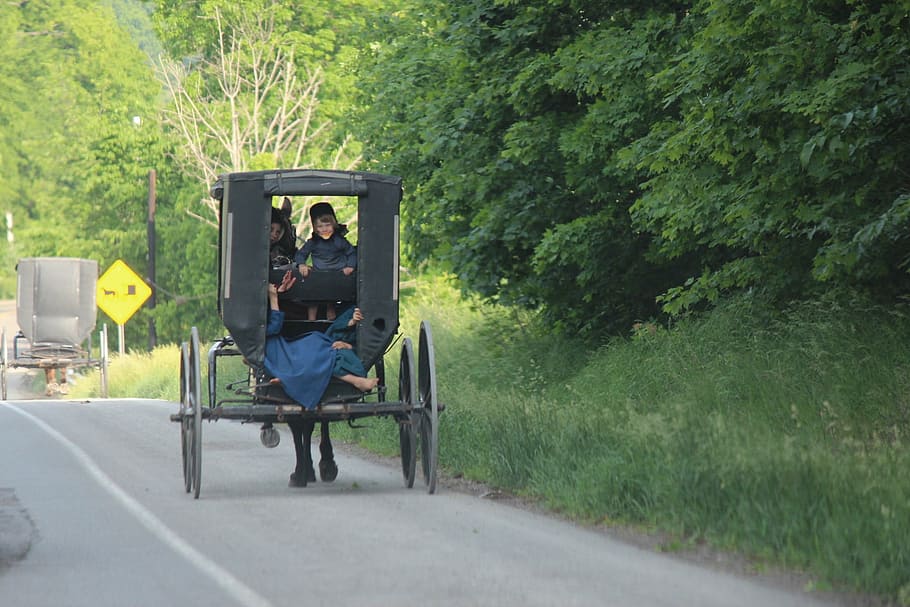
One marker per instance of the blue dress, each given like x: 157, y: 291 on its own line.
x: 306, y: 364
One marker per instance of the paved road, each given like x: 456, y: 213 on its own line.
x: 93, y: 513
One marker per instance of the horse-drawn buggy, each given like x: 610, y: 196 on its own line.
x: 56, y: 313
x: 251, y: 281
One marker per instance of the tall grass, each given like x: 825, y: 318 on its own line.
x: 780, y: 435
x: 152, y: 374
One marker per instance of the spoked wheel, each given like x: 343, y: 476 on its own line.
x: 429, y: 407
x: 186, y: 426
x: 103, y: 366
x: 195, y: 399
x: 3, y: 362
x: 407, y: 393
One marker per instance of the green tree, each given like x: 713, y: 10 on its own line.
x: 225, y: 123
x: 785, y: 171
x: 259, y: 84
x: 506, y: 118
x: 587, y: 157
x: 79, y: 134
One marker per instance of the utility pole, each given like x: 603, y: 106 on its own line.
x: 153, y: 337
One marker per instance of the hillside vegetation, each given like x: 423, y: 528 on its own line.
x: 594, y: 173
x: 782, y: 436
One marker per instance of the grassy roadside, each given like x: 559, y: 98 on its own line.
x: 781, y: 436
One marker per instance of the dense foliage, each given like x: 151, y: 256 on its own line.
x: 793, y: 121
x: 589, y: 156
x: 603, y: 162
x: 78, y: 136
x: 81, y: 128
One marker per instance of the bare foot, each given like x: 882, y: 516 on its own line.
x: 364, y: 384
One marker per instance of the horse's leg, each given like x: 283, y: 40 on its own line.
x: 328, y: 469
x: 302, y: 432
x: 308, y: 428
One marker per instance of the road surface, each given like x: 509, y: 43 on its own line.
x: 93, y: 513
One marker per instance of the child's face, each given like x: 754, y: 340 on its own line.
x: 275, y: 233
x: 325, y: 229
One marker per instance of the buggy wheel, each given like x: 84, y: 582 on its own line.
x: 102, y: 369
x: 407, y: 393
x: 429, y: 407
x: 3, y: 360
x: 195, y: 398
x: 186, y: 427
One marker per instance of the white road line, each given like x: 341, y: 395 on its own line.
x: 243, y: 594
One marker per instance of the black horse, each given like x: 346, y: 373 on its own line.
x: 282, y: 250
x: 302, y: 431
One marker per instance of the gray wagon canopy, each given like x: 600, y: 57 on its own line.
x: 56, y: 312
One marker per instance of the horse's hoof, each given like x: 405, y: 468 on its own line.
x: 296, y: 480
x: 328, y: 470
x: 269, y: 437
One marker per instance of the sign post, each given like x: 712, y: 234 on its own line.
x: 120, y: 292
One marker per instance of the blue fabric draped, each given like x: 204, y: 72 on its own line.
x: 305, y: 365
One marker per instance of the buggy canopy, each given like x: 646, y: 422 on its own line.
x: 55, y: 299
x: 244, y: 218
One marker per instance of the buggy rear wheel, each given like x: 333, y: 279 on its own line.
x: 407, y: 393
x: 429, y: 407
x: 195, y: 397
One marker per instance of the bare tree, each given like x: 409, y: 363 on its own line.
x: 251, y: 103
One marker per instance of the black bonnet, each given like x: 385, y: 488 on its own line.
x: 321, y: 208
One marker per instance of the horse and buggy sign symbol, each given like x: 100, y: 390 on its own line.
x: 120, y: 292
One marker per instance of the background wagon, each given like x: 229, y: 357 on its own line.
x: 56, y: 313
x: 244, y: 273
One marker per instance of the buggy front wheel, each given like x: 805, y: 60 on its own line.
x: 186, y: 427
x: 103, y: 363
x: 407, y: 393
x: 195, y: 398
x: 3, y: 363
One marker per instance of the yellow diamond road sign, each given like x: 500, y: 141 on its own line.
x: 120, y: 292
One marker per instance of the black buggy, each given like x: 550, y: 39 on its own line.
x: 245, y: 269
x: 56, y: 313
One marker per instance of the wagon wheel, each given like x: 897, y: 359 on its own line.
x: 102, y: 369
x: 429, y: 411
x: 195, y: 398
x: 213, y: 374
x: 3, y: 359
x: 186, y: 428
x: 407, y: 393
